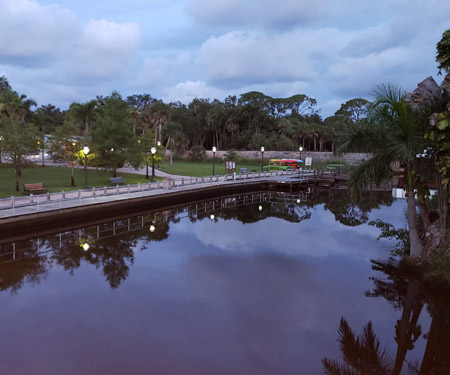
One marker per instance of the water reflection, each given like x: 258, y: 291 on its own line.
x: 363, y: 354
x: 112, y: 245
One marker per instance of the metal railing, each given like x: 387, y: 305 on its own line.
x: 67, y: 199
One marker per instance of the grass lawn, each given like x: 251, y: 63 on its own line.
x: 58, y: 178
x: 204, y: 168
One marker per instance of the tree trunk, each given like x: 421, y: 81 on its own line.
x: 424, y: 214
x: 17, y: 180
x: 72, y: 180
x: 416, y: 246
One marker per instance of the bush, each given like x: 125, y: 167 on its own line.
x: 197, y: 153
x: 231, y: 155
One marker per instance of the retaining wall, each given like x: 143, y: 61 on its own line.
x: 350, y: 158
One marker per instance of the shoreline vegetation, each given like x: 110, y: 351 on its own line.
x: 411, y: 130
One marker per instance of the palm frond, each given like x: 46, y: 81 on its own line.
x: 366, y: 138
x: 374, y: 170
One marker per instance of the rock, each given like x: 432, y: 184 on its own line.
x: 446, y: 87
x: 427, y: 92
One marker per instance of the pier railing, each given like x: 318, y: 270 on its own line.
x: 66, y: 199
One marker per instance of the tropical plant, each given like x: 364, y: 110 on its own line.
x: 392, y: 134
x: 362, y: 355
x: 85, y: 113
x: 443, y: 52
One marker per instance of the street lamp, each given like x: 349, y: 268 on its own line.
x: 86, y: 152
x: 152, y: 228
x: 1, y: 140
x: 153, y: 151
x: 214, y: 149
x: 262, y: 158
x: 300, y: 149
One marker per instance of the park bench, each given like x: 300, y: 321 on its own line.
x: 116, y: 180
x: 243, y: 170
x: 339, y: 168
x: 34, y: 188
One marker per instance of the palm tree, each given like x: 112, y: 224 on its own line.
x: 362, y: 354
x: 392, y: 134
x: 84, y: 113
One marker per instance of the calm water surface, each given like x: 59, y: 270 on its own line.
x: 258, y: 288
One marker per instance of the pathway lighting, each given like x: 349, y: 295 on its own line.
x: 86, y: 152
x: 153, y: 151
x: 214, y: 149
x: 262, y: 158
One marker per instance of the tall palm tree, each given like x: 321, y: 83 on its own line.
x: 84, y: 113
x: 362, y: 355
x: 392, y: 134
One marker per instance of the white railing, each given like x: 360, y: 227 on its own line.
x: 53, y: 201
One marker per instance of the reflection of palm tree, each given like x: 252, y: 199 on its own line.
x: 362, y: 355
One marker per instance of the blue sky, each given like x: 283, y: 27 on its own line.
x: 61, y: 51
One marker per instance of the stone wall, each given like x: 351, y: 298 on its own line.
x: 350, y: 158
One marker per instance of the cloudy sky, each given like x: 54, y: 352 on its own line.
x: 60, y: 51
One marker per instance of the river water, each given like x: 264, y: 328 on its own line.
x: 256, y: 284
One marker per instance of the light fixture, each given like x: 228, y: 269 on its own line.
x: 152, y: 228
x: 260, y: 208
x: 85, y: 246
x: 212, y: 217
x: 86, y: 152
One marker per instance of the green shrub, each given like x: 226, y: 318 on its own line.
x: 197, y: 153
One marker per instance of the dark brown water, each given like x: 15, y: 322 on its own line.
x: 251, y: 290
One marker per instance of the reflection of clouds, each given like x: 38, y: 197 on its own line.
x: 320, y: 236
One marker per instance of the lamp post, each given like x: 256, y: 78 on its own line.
x: 214, y: 149
x: 262, y: 158
x: 72, y: 179
x: 1, y: 141
x: 300, y: 149
x: 153, y: 151
x: 86, y: 152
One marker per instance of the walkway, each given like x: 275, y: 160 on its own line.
x: 16, y: 207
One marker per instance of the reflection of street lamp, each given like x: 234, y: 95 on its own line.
x: 153, y: 151
x: 86, y: 152
x: 262, y: 158
x: 85, y: 246
x: 214, y: 149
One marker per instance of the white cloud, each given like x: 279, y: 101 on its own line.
x: 29, y: 31
x: 105, y: 49
x: 256, y: 57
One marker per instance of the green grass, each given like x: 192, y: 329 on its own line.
x: 58, y: 178
x: 204, y: 168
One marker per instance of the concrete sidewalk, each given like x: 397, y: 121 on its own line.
x: 141, y: 171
